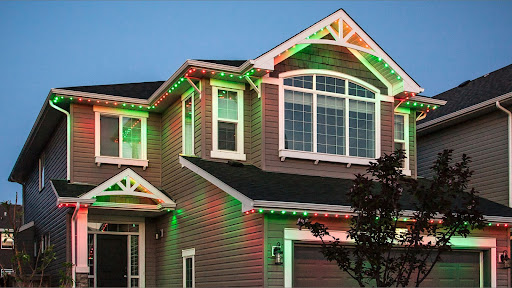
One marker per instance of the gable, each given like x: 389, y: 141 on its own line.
x: 328, y: 57
x: 338, y: 29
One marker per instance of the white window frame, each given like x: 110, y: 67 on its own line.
x: 99, y: 159
x: 239, y: 89
x: 41, y: 171
x: 189, y: 254
x: 316, y: 156
x: 404, y: 112
x: 189, y: 94
x: 4, y: 231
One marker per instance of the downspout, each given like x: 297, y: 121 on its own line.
x: 68, y: 137
x: 73, y: 243
x: 509, y: 151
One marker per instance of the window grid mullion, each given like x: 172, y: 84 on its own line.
x: 315, y: 111
x: 347, y: 126
x: 120, y: 136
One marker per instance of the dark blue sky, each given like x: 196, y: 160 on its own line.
x: 58, y: 44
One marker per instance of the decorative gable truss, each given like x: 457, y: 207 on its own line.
x: 340, y: 30
x: 128, y: 191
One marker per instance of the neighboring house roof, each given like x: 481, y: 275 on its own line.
x: 70, y: 190
x: 142, y: 90
x: 471, y: 96
x: 299, y: 191
x: 7, y: 214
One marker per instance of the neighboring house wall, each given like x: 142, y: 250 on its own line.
x: 229, y: 247
x: 83, y: 166
x: 484, y: 139
x: 274, y: 233
x: 41, y: 206
x: 413, y: 148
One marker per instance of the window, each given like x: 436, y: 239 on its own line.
x: 329, y: 118
x: 189, y: 269
x: 7, y: 239
x: 121, y: 136
x: 188, y: 109
x: 228, y: 119
x: 401, y: 138
x: 41, y: 172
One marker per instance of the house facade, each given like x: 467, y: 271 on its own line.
x: 199, y: 180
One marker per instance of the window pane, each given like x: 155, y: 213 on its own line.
x: 188, y: 126
x: 134, y: 253
x: 356, y: 90
x: 300, y: 81
x: 298, y: 120
x: 7, y: 241
x: 398, y: 146
x: 109, y: 136
x: 399, y: 127
x: 330, y: 84
x: 361, y: 129
x: 132, y: 141
x: 331, y: 125
x: 134, y: 282
x: 188, y: 271
x: 228, y: 106
x: 227, y: 136
x: 90, y: 251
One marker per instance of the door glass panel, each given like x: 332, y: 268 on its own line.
x: 112, y: 227
x: 134, y: 254
x: 90, y: 251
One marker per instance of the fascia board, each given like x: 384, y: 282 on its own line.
x: 66, y: 92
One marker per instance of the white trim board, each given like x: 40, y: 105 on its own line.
x: 293, y: 234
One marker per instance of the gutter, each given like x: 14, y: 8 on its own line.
x: 509, y: 117
x: 73, y: 242
x: 68, y: 138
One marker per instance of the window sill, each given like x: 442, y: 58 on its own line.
x: 406, y: 172
x: 121, y: 161
x: 325, y: 157
x: 228, y: 155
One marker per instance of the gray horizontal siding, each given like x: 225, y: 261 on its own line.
x: 484, y: 139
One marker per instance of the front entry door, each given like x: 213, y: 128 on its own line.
x: 112, y: 261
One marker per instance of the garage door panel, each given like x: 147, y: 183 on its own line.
x: 457, y: 269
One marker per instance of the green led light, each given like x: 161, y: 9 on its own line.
x: 305, y: 213
x: 140, y: 106
x: 261, y: 210
x: 294, y: 213
x: 394, y: 219
x: 386, y: 65
x: 379, y: 59
x: 428, y: 106
x: 222, y: 74
x: 168, y: 210
x: 240, y: 77
x: 124, y: 104
x: 283, y: 212
x: 133, y: 105
x: 414, y: 104
x: 182, y: 79
x: 421, y: 105
x: 61, y: 97
x: 408, y: 103
x: 465, y: 223
x: 230, y: 75
x: 435, y: 107
x: 153, y: 107
x: 272, y: 211
x: 398, y: 77
x: 149, y: 107
x: 377, y: 218
x: 392, y: 71
x: 169, y: 90
x: 252, y: 70
x: 490, y: 224
x: 405, y: 219
x: 70, y: 98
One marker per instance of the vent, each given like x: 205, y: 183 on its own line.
x: 464, y: 83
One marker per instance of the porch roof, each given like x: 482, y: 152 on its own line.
x: 286, y: 190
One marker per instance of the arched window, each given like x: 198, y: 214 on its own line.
x: 329, y: 115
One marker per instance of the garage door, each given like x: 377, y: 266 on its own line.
x: 458, y: 269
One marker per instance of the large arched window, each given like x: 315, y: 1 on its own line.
x: 330, y: 115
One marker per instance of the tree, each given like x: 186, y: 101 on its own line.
x: 382, y: 255
x: 26, y: 269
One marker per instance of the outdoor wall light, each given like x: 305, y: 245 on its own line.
x: 159, y: 234
x: 278, y: 254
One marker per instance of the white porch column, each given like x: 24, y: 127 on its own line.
x: 81, y: 241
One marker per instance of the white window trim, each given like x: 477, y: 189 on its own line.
x: 287, y: 153
x: 99, y: 159
x: 186, y: 254
x: 189, y: 94
x: 404, y: 112
x: 225, y: 154
x: 41, y: 171
x: 4, y: 231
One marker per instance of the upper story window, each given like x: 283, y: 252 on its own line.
x: 329, y: 118
x: 188, y: 108
x: 41, y: 171
x: 7, y: 239
x: 121, y: 136
x: 228, y: 120
x: 401, y: 138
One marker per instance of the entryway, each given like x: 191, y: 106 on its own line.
x: 113, y: 254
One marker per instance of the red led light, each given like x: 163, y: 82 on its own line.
x: 213, y: 72
x: 347, y: 216
x: 97, y: 101
x: 258, y: 69
x: 440, y: 221
x: 189, y: 70
x: 316, y: 214
x: 247, y: 212
x: 268, y: 71
x: 431, y: 221
x: 186, y: 75
x: 106, y: 102
x: 115, y: 103
x: 79, y: 99
x: 326, y: 215
x: 204, y: 71
x: 506, y: 225
x: 252, y: 211
x: 88, y: 100
x: 194, y: 70
x: 336, y: 215
x: 498, y: 225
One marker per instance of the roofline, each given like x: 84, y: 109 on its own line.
x: 423, y: 127
x: 113, y: 98
x: 30, y: 137
x: 213, y: 66
x: 428, y: 100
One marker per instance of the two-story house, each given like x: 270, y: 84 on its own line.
x: 199, y: 180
